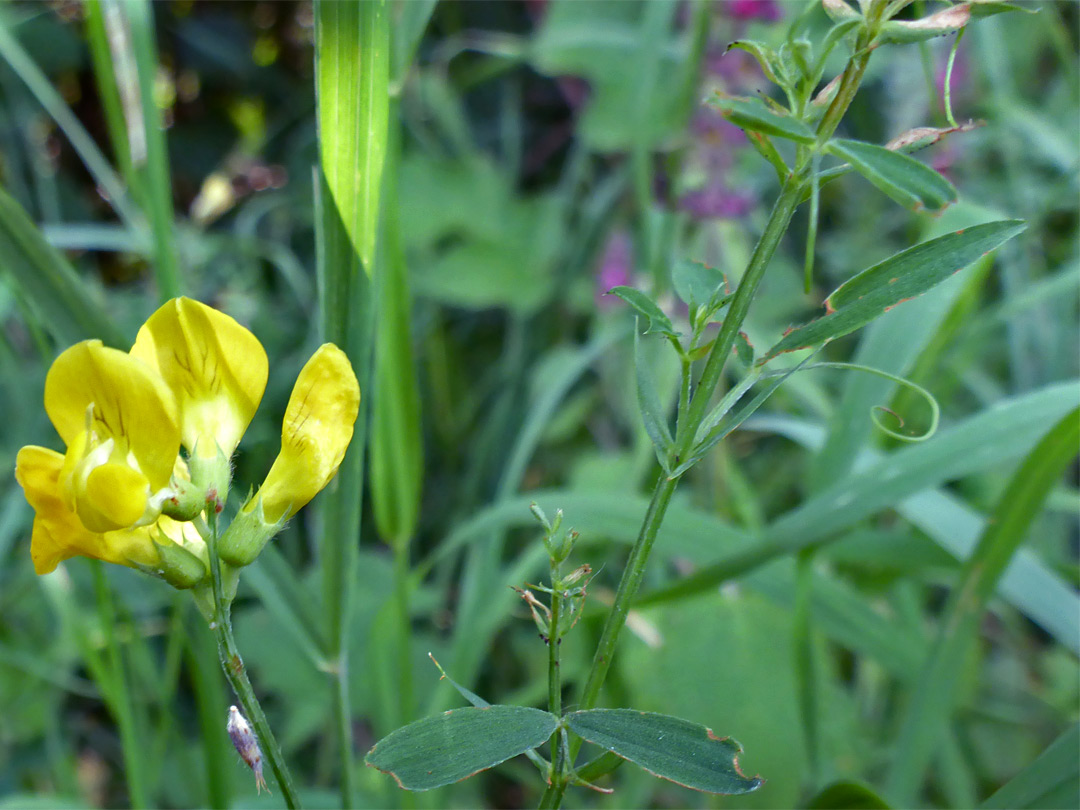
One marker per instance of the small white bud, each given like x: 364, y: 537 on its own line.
x: 247, y: 746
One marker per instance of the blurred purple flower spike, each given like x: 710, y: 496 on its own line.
x: 615, y: 268
x: 764, y: 10
x: 716, y: 201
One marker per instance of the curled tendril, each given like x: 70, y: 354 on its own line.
x: 877, y: 410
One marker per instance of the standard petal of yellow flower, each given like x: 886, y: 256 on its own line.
x: 131, y: 406
x: 317, y: 429
x: 215, y: 367
x: 58, y: 532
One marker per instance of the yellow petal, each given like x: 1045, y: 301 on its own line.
x: 131, y: 405
x: 317, y: 429
x: 115, y: 498
x: 215, y: 367
x: 58, y: 533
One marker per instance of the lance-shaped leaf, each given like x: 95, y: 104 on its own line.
x: 654, y: 316
x: 751, y: 114
x: 911, y: 183
x: 899, y: 278
x: 687, y: 753
x: 765, y: 56
x: 454, y: 745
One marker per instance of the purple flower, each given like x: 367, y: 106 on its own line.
x: 716, y: 201
x: 765, y: 10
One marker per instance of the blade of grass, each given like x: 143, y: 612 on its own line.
x: 105, y: 78
x: 352, y: 54
x: 1052, y: 780
x: 130, y: 27
x: 118, y: 695
x: 396, y: 450
x: 933, y: 697
x: 106, y: 178
x: 353, y: 44
x: 58, y: 295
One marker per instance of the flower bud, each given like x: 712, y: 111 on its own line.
x: 247, y: 746
x: 176, y: 565
x: 247, y: 535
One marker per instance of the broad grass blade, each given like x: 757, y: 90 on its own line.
x: 352, y: 87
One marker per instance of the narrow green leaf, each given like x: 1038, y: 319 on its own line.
x: 933, y: 697
x: 81, y: 141
x: 987, y: 8
x: 457, y: 744
x: 696, y: 283
x: 353, y: 101
x: 840, y: 10
x: 652, y: 414
x: 906, y: 275
x: 686, y: 753
x: 909, y: 182
x: 396, y: 447
x: 838, y: 32
x: 752, y: 114
x: 59, y: 296
x: 1052, y: 780
x: 654, y: 316
x: 132, y: 40
x: 765, y: 56
x: 408, y: 29
x: 731, y: 422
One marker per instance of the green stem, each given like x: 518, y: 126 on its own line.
x: 557, y: 776
x: 119, y: 696
x: 234, y: 669
x: 628, y: 586
x: 404, y: 635
x: 791, y: 194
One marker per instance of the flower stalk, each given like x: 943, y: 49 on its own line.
x: 233, y: 665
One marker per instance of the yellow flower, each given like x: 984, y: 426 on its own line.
x: 215, y: 368
x: 315, y: 434
x: 101, y: 498
x: 194, y: 378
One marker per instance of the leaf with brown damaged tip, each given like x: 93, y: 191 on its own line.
x: 938, y: 24
x: 906, y: 275
x: 686, y: 753
x: 921, y: 137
